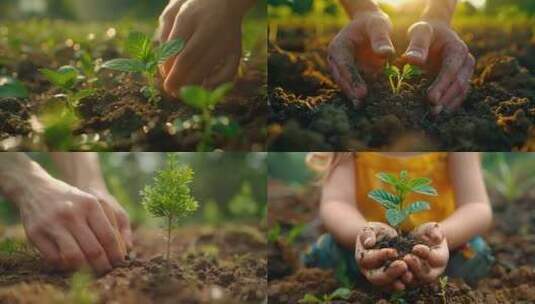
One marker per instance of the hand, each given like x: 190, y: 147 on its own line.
x: 363, y: 45
x: 435, y: 45
x: 427, y: 263
x: 69, y: 227
x: 371, y: 261
x: 211, y: 30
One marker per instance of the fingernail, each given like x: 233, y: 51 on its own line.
x: 437, y: 109
x: 415, y: 53
x: 385, y: 49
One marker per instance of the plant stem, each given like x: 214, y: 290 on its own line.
x: 400, y: 82
x: 207, y: 132
x: 391, y: 80
x: 169, y: 224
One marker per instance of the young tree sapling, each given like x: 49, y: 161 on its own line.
x: 397, y: 209
x: 170, y: 195
x: 397, y: 77
x: 146, y: 59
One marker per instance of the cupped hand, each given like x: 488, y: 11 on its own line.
x: 211, y: 30
x: 371, y: 261
x: 361, y: 47
x: 435, y: 45
x: 427, y: 262
x: 70, y: 227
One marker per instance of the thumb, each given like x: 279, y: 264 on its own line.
x: 421, y: 36
x: 110, y: 214
x: 378, y: 30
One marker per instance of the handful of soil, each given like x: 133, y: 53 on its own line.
x: 403, y: 245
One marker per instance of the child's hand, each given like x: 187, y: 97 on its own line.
x: 371, y: 261
x: 427, y: 263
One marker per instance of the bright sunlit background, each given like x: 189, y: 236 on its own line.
x: 476, y: 3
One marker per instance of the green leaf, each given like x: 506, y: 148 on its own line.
x: 219, y: 93
x: 418, y: 182
x: 388, y: 178
x: 395, y: 217
x: 168, y: 50
x: 65, y: 77
x: 341, y: 294
x: 403, y: 175
x: 124, y: 65
x: 11, y: 87
x: 138, y: 46
x: 425, y: 189
x: 416, y: 207
x: 391, y: 70
x: 411, y: 71
x: 385, y: 198
x: 83, y: 94
x: 309, y: 299
x: 195, y: 96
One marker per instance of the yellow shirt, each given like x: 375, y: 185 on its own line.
x: 430, y: 165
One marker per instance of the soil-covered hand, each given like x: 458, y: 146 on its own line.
x: 371, y: 261
x: 427, y: 262
x: 211, y: 30
x: 70, y: 227
x: 435, y: 45
x: 361, y: 46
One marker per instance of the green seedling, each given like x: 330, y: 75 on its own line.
x: 511, y: 178
x: 88, y: 66
x: 79, y: 292
x: 11, y: 87
x: 443, y: 282
x: 12, y: 247
x: 243, y: 203
x: 205, y: 101
x: 397, y: 77
x: 66, y: 79
x: 338, y: 294
x: 170, y: 195
x: 146, y: 59
x: 397, y: 209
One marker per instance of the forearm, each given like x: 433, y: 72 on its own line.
x: 20, y: 176
x: 80, y: 169
x: 355, y: 6
x: 342, y: 221
x: 439, y: 10
x: 466, y: 222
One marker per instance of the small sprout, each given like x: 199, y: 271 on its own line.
x: 170, y: 195
x: 397, y: 78
x: 274, y: 233
x: 11, y: 87
x: 88, y: 66
x: 243, y: 203
x: 66, y: 79
x: 394, y: 203
x: 205, y: 101
x: 146, y: 59
x: 79, y: 292
x: 443, y: 282
x: 339, y: 294
x: 58, y: 126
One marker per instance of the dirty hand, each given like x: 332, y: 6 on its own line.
x: 70, y: 227
x: 211, y: 30
x: 362, y: 46
x: 371, y: 260
x: 427, y: 263
x: 435, y: 45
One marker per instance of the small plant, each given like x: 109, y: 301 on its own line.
x: 79, y: 292
x: 205, y: 101
x: 338, y: 294
x: 443, y: 282
x: 511, y: 178
x: 243, y: 203
x: 397, y: 210
x: 170, y: 195
x: 11, y: 87
x: 146, y: 59
x: 397, y: 77
x: 66, y: 79
x: 11, y: 247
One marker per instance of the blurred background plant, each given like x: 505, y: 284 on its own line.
x: 240, y: 196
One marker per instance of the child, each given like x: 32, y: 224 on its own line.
x: 451, y: 228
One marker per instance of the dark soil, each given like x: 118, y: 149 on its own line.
x: 403, y: 245
x: 307, y: 111
x: 225, y: 265
x: 512, y: 278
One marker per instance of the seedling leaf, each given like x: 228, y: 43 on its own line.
x: 417, y: 182
x: 387, y: 178
x: 125, y: 65
x: 138, y: 46
x: 395, y: 217
x: 83, y: 94
x: 391, y: 70
x: 385, y: 198
x: 11, y: 87
x: 220, y: 92
x: 341, y: 294
x: 411, y: 71
x: 417, y: 206
x: 65, y: 77
x: 425, y: 189
x: 196, y: 97
x: 168, y: 50
x: 309, y: 299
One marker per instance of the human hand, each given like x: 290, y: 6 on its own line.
x: 427, y: 262
x: 69, y: 227
x: 438, y: 47
x: 212, y: 32
x: 371, y: 261
x: 361, y: 46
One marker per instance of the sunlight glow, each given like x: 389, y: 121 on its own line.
x: 476, y: 3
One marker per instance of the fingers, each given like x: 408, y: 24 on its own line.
x: 375, y: 258
x: 420, y: 36
x: 125, y: 230
x: 367, y: 237
x: 226, y: 73
x: 398, y: 285
x: 106, y: 235
x: 416, y: 266
x: 454, y: 56
x: 462, y: 83
x: 407, y: 278
x: 91, y: 248
x: 47, y: 248
x: 382, y: 277
x: 182, y: 28
x: 167, y: 20
x: 378, y: 30
x: 110, y: 215
x: 344, y: 69
x: 421, y: 251
x: 71, y: 257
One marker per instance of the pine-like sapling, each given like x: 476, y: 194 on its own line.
x: 169, y: 196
